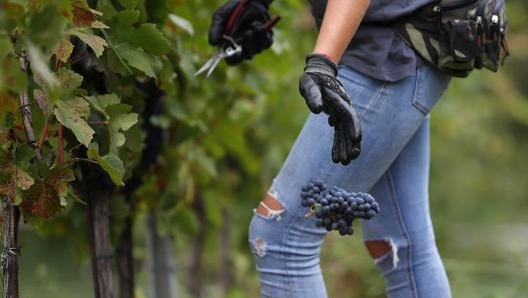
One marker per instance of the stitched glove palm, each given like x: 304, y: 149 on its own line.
x: 324, y: 93
x: 247, y: 31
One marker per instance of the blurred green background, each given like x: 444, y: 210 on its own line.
x: 251, y: 114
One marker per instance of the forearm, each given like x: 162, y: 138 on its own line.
x: 340, y: 22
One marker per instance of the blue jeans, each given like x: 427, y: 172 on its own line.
x: 393, y: 167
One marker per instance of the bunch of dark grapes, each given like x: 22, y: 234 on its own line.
x: 335, y: 207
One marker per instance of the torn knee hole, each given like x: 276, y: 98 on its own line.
x: 378, y: 249
x: 269, y: 206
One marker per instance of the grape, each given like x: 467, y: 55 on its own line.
x: 335, y: 208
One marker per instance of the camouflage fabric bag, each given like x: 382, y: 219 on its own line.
x: 458, y: 36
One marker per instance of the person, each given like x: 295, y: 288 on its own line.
x: 370, y: 97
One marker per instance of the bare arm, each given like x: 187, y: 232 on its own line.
x: 340, y: 22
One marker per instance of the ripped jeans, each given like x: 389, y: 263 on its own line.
x: 393, y: 167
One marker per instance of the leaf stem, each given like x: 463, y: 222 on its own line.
x: 43, y: 134
x: 83, y: 159
x: 60, y: 147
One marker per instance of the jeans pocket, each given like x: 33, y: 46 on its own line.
x: 429, y: 86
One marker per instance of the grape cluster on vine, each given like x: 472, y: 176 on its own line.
x: 336, y: 208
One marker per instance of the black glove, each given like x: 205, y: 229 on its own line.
x: 248, y: 29
x: 324, y: 93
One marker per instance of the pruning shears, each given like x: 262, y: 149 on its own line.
x: 231, y: 47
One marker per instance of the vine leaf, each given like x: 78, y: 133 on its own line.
x: 43, y: 199
x: 138, y: 59
x: 149, y: 38
x: 118, y: 116
x: 82, y: 14
x: 45, y: 27
x: 120, y: 119
x: 13, y: 174
x: 68, y: 80
x: 100, y: 102
x: 64, y: 50
x: 145, y: 36
x: 23, y: 180
x: 137, y: 46
x: 7, y: 185
x: 71, y: 113
x: 96, y: 43
x: 129, y: 3
x: 109, y: 162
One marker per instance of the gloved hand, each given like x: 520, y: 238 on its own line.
x: 324, y: 93
x: 247, y: 30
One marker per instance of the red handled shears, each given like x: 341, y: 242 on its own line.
x: 231, y: 47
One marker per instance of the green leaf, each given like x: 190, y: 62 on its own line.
x: 45, y: 27
x: 129, y: 4
x: 100, y: 102
x: 138, y: 59
x: 119, y: 119
x: 71, y: 114
x: 109, y: 162
x: 149, y: 38
x: 23, y: 155
x: 124, y: 20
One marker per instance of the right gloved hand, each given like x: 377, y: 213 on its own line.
x: 247, y: 30
x: 324, y: 93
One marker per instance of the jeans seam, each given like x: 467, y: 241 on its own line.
x: 417, y: 94
x: 375, y: 98
x: 403, y: 227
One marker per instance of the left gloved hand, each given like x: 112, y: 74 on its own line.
x: 324, y: 93
x: 248, y: 30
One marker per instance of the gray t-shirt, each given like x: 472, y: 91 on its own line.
x: 376, y: 50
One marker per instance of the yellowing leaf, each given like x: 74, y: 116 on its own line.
x: 23, y: 179
x: 99, y: 25
x: 96, y: 43
x: 71, y: 114
x: 68, y: 79
x: 64, y: 50
x: 7, y: 185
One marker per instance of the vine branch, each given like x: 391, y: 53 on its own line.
x: 26, y: 111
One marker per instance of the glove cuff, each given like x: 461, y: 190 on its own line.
x: 321, y: 64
